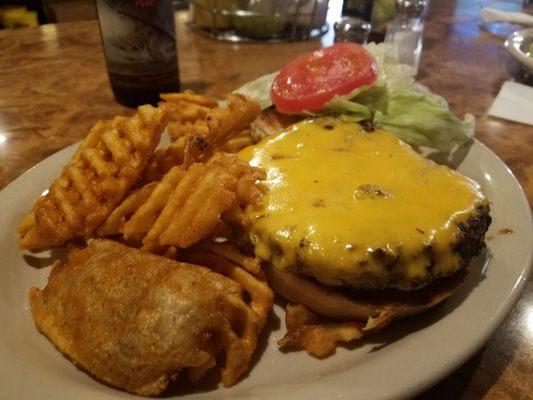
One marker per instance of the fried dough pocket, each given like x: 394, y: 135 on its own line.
x: 134, y: 320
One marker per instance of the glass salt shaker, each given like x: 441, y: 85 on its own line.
x: 352, y: 29
x: 406, y: 29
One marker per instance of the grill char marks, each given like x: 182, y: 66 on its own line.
x: 472, y: 237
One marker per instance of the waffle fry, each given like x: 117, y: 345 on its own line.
x: 105, y: 166
x: 235, y: 217
x: 193, y: 210
x: 260, y: 294
x: 219, y: 190
x: 238, y: 142
x: 114, y: 223
x: 226, y: 260
x: 248, y: 192
x: 181, y: 153
x: 238, y: 348
x: 229, y: 251
x: 246, y: 319
x: 224, y: 123
x: 138, y: 226
x: 246, y: 272
x: 187, y: 206
x: 204, y: 137
x: 306, y: 330
x: 189, y: 97
x: 174, y: 204
x: 185, y: 109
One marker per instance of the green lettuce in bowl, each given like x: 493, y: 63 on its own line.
x: 260, y: 19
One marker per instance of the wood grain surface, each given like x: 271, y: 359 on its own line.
x: 54, y: 86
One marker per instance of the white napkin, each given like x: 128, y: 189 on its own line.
x: 492, y: 15
x: 514, y: 103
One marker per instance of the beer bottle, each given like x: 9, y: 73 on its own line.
x: 139, y: 43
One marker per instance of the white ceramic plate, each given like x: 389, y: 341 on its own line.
x: 518, y: 44
x: 409, y: 357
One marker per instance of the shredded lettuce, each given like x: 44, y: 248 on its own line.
x: 393, y: 102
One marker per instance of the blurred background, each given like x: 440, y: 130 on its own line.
x: 401, y: 22
x: 18, y: 13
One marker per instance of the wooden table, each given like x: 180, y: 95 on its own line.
x: 54, y: 86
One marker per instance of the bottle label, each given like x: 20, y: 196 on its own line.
x: 139, y: 40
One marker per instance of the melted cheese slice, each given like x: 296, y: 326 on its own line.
x: 354, y: 208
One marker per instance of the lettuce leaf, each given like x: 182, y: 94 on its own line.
x: 407, y: 109
x: 355, y: 111
x: 259, y: 89
x: 423, y: 122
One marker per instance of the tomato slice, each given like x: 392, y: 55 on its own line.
x: 311, y: 80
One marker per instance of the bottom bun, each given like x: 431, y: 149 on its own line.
x: 323, y: 316
x: 375, y: 307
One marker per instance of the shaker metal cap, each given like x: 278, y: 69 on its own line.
x: 352, y: 29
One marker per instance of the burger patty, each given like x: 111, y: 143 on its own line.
x: 361, y: 209
x: 472, y: 234
x: 470, y: 242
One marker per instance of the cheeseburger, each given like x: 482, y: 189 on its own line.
x: 355, y: 225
